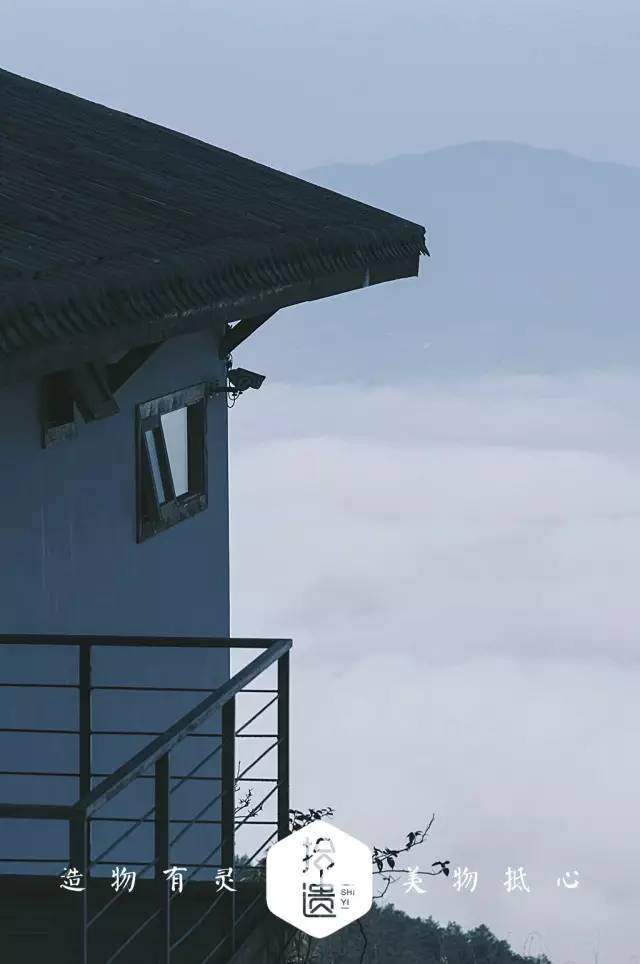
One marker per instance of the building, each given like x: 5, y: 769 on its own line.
x: 133, y: 261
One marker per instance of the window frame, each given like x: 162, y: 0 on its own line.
x: 152, y: 514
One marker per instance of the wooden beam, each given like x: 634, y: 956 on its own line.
x: 57, y: 417
x: 241, y: 331
x: 88, y: 386
x: 122, y: 370
x: 85, y: 387
x: 90, y: 389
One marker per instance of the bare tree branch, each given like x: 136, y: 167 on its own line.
x: 384, y: 865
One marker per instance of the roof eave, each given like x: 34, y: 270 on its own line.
x: 38, y: 360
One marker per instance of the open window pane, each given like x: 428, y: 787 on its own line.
x: 154, y: 463
x: 175, y: 428
x: 171, y: 460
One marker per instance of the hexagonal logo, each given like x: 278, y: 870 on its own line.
x: 319, y: 879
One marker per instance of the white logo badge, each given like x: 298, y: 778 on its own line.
x: 319, y: 879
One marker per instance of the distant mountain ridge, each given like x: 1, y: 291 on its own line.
x: 533, y: 269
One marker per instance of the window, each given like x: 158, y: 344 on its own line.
x: 171, y: 451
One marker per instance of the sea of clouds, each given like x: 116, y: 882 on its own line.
x: 457, y: 563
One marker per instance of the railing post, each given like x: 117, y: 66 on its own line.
x: 162, y: 862
x: 84, y: 726
x: 228, y: 808
x: 78, y: 860
x: 283, y: 746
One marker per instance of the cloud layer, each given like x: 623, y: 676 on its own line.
x: 457, y: 563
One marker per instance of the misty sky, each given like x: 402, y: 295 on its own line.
x: 296, y: 84
x: 457, y: 563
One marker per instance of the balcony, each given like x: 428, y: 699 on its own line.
x: 161, y: 920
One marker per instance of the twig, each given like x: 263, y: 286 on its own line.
x: 365, y: 942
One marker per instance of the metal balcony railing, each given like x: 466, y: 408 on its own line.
x: 154, y: 762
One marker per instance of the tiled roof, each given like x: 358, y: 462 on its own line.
x: 114, y: 230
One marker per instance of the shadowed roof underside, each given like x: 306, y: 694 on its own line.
x: 115, y: 232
